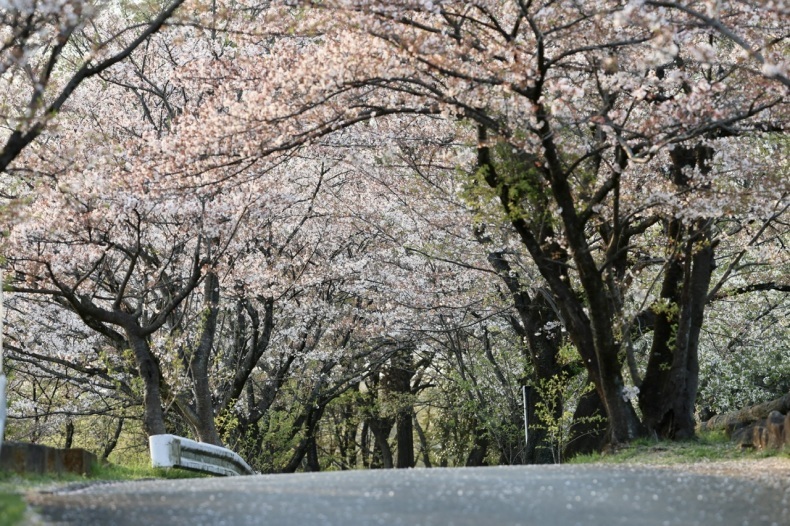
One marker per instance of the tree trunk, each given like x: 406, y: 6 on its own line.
x: 477, y: 455
x: 588, y: 430
x: 404, y: 439
x: 109, y: 447
x: 542, y: 348
x: 684, y: 377
x: 206, y: 429
x: 400, y: 376
x: 424, y: 449
x: 366, y: 452
x: 69, y: 435
x: 312, y: 456
x: 624, y: 425
x: 381, y: 427
x: 310, y: 420
x: 651, y: 391
x: 153, y: 416
x: 540, y: 448
x: 669, y: 391
x: 590, y: 321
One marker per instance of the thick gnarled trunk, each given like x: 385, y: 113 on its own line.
x: 148, y: 368
x: 198, y: 362
x: 669, y: 390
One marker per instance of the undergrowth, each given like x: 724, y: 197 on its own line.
x: 12, y: 508
x: 707, y: 447
x: 14, y: 485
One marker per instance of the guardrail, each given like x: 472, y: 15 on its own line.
x: 169, y: 451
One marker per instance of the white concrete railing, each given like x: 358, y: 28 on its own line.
x: 169, y: 451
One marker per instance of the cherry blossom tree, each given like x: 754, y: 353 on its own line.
x: 396, y: 202
x: 48, y: 49
x: 65, y: 378
x: 576, y: 110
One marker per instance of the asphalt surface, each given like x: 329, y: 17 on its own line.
x: 528, y: 495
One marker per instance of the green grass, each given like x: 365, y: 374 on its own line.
x: 12, y: 509
x: 14, y: 485
x: 707, y: 447
x: 140, y: 471
x: 100, y: 472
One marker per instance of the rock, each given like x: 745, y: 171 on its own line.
x: 775, y: 426
x: 760, y: 435
x: 729, y: 422
x: 772, y: 432
x: 744, y: 436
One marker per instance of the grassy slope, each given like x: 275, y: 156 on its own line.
x: 707, y: 447
x: 12, y: 508
x: 13, y: 486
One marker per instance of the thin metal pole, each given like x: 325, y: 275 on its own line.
x: 526, y: 422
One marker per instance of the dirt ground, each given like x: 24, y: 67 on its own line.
x: 772, y: 470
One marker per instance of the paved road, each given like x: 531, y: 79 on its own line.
x: 529, y: 495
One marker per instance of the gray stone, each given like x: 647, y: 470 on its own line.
x: 775, y: 425
x: 760, y: 435
x: 744, y: 436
